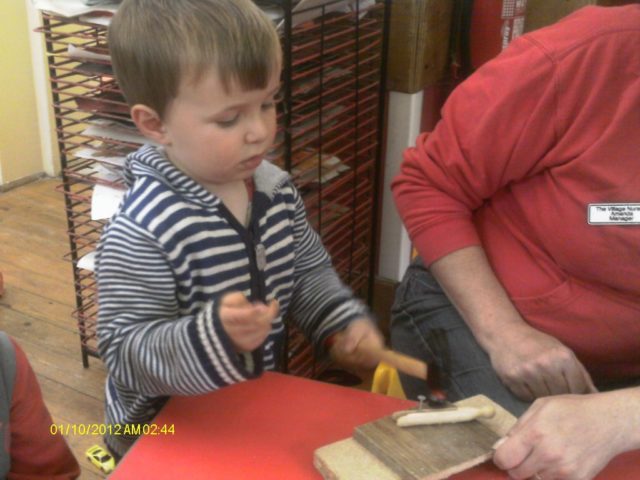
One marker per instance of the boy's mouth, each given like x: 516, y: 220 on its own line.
x: 252, y: 162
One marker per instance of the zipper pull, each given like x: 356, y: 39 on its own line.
x: 261, y: 257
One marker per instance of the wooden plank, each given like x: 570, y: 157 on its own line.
x: 37, y: 283
x: 38, y: 230
x: 541, y: 13
x: 85, y: 410
x: 426, y: 452
x: 50, y: 336
x: 349, y: 459
x: 31, y: 241
x: 40, y: 308
x: 29, y: 273
x: 54, y: 366
x: 35, y: 213
x: 36, y: 216
x: 33, y: 193
x: 61, y: 399
x: 419, y: 33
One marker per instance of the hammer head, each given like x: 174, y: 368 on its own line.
x: 439, y: 367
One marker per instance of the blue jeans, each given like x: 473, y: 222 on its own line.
x: 421, y: 307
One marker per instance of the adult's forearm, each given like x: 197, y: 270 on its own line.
x: 470, y: 283
x: 635, y: 421
x: 625, y: 408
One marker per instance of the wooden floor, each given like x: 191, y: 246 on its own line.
x: 37, y: 304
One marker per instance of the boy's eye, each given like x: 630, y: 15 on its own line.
x: 227, y: 122
x: 272, y: 103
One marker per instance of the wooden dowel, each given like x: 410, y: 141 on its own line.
x: 434, y: 417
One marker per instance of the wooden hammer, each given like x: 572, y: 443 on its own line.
x: 403, y: 363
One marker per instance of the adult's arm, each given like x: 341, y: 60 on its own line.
x: 530, y: 363
x: 496, y: 129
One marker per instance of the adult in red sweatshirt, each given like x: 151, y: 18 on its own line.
x: 28, y: 451
x: 524, y: 205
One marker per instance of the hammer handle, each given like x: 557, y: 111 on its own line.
x: 404, y: 363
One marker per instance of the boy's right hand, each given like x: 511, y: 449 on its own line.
x: 247, y: 324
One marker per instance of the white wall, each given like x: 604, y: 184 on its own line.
x: 403, y: 127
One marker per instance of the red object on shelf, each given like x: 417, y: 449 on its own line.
x: 494, y: 23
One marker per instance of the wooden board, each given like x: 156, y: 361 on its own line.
x: 419, y: 33
x: 348, y: 460
x: 541, y: 13
x: 417, y: 453
x: 384, y: 451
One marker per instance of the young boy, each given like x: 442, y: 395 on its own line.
x: 211, y: 247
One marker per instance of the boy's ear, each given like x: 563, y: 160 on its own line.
x: 149, y: 123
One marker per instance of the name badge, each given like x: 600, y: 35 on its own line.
x: 614, y: 214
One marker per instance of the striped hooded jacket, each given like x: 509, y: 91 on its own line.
x: 167, y: 257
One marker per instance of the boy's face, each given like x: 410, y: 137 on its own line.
x: 217, y: 137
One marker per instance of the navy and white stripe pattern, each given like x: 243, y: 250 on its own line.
x: 167, y: 257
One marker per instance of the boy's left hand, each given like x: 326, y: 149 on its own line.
x: 345, y: 351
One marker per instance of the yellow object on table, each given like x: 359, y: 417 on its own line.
x: 387, y: 381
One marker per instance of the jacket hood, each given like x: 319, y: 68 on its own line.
x: 152, y: 161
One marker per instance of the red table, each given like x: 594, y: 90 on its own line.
x: 268, y: 429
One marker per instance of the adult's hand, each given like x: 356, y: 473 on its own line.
x: 571, y: 437
x: 533, y: 364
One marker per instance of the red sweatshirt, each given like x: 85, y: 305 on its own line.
x: 35, y: 453
x: 524, y: 146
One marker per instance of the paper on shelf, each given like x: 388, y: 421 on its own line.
x: 306, y: 10
x: 94, y: 69
x: 102, y: 172
x: 84, y: 54
x: 72, y: 8
x: 310, y: 161
x: 114, y: 131
x: 97, y: 18
x: 101, y: 156
x: 271, y: 9
x: 105, y: 202
x: 88, y: 262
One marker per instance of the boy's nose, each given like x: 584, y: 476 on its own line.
x: 258, y: 130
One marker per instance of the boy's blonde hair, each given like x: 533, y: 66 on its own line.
x: 157, y: 44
